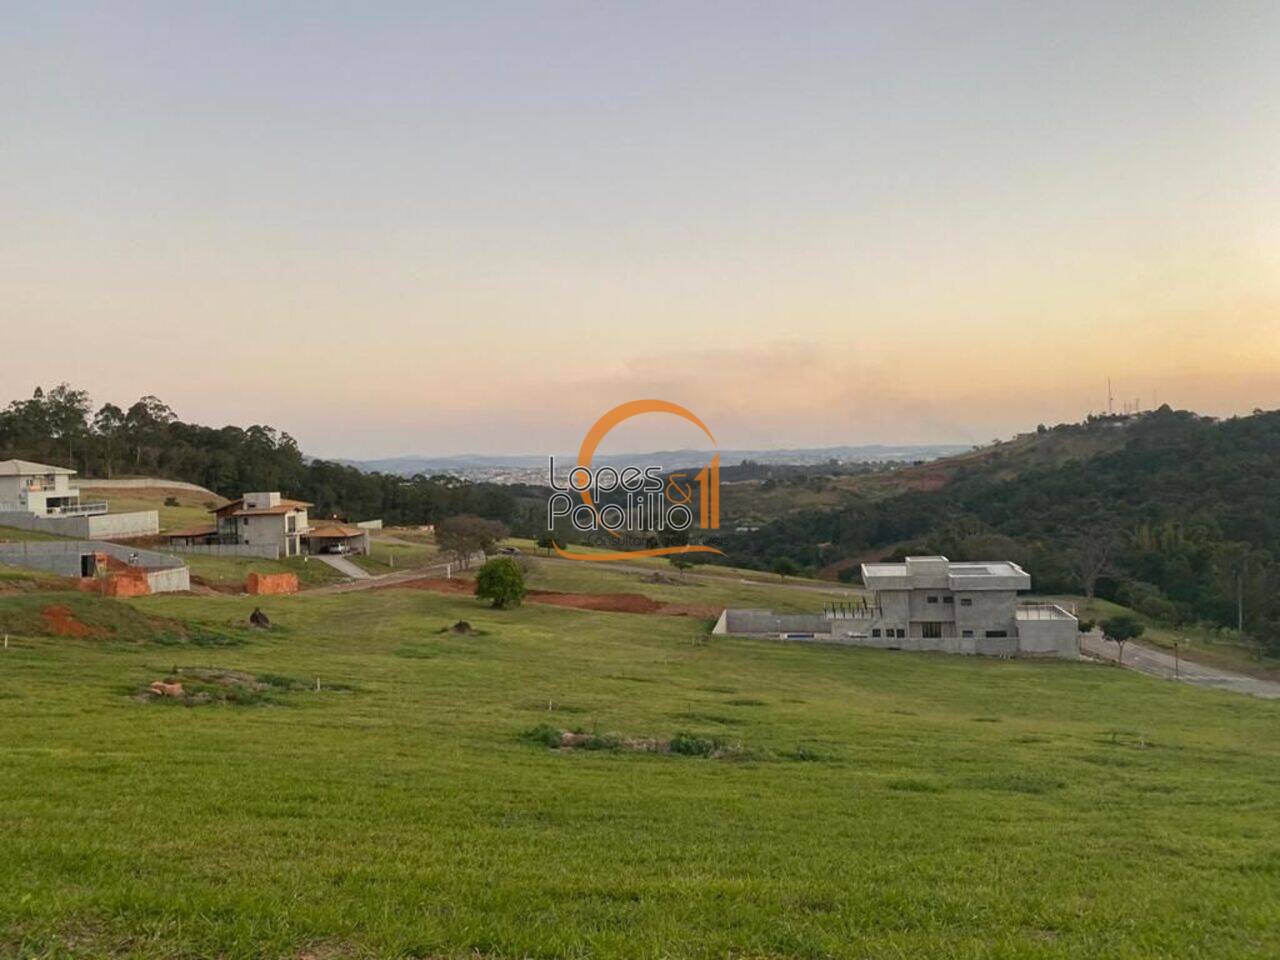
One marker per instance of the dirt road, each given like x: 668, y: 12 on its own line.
x: 1157, y: 663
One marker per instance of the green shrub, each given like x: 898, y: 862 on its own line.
x: 690, y: 745
x: 543, y: 733
x: 501, y: 581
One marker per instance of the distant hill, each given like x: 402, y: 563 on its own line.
x: 410, y: 465
x: 1181, y: 508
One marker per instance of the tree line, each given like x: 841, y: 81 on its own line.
x: 61, y: 426
x: 1180, y: 523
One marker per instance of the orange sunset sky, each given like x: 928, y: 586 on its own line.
x: 473, y: 228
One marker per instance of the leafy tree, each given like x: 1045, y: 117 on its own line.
x: 681, y: 561
x: 1120, y: 629
x: 546, y: 541
x: 108, y: 426
x: 464, y: 536
x: 501, y: 581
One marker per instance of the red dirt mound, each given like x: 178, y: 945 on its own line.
x: 63, y: 623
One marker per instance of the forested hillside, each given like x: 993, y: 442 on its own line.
x: 148, y: 439
x: 1177, y: 515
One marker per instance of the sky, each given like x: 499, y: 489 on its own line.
x: 447, y: 228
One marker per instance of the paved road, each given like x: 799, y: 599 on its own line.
x: 344, y: 566
x: 1157, y: 663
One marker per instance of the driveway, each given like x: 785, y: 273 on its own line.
x: 343, y: 566
x: 1158, y: 663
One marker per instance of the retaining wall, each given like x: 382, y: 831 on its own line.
x: 140, y: 483
x: 142, y: 523
x: 264, y: 551
x: 1043, y: 638
x: 164, y: 573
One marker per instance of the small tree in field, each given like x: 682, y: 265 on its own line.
x: 501, y: 581
x: 785, y: 567
x: 681, y: 561
x: 546, y: 542
x: 1120, y: 630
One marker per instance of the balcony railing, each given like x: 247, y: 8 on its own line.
x: 1043, y: 611
x: 79, y: 510
x: 851, y: 611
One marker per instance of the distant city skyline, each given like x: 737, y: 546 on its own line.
x: 460, y: 228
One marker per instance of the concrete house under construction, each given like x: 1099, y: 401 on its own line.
x: 929, y: 603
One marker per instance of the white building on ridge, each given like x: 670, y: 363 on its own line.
x: 930, y: 603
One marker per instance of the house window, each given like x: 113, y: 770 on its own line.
x: 933, y: 599
x: 875, y: 631
x: 966, y: 601
x: 997, y: 633
x: 948, y: 599
x: 966, y: 633
x: 901, y: 632
x: 931, y: 630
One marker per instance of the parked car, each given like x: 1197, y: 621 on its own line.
x: 336, y: 548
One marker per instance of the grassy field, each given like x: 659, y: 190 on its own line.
x: 17, y: 534
x: 184, y: 508
x: 221, y: 572
x: 869, y: 804
x: 390, y: 556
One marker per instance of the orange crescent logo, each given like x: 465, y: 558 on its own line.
x: 599, y: 430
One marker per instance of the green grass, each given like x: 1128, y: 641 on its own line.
x: 18, y: 534
x: 190, y: 510
x: 661, y: 565
x: 232, y: 571
x: 384, y: 557
x: 22, y: 578
x: 873, y: 804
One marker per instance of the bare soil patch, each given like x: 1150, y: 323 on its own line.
x: 62, y: 622
x: 601, y: 602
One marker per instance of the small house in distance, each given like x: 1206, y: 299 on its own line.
x: 266, y: 521
x: 930, y: 603
x: 263, y: 519
x: 40, y: 496
x: 43, y: 490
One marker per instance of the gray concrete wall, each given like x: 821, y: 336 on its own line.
x: 369, y: 524
x: 138, y: 483
x: 59, y: 526
x: 1046, y: 637
x: 143, y: 523
x: 169, y: 581
x: 766, y: 623
x: 36, y: 555
x: 107, y: 526
x: 165, y: 573
x: 1049, y: 638
x: 262, y: 550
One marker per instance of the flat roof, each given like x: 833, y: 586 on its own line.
x: 26, y: 468
x: 939, y: 573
